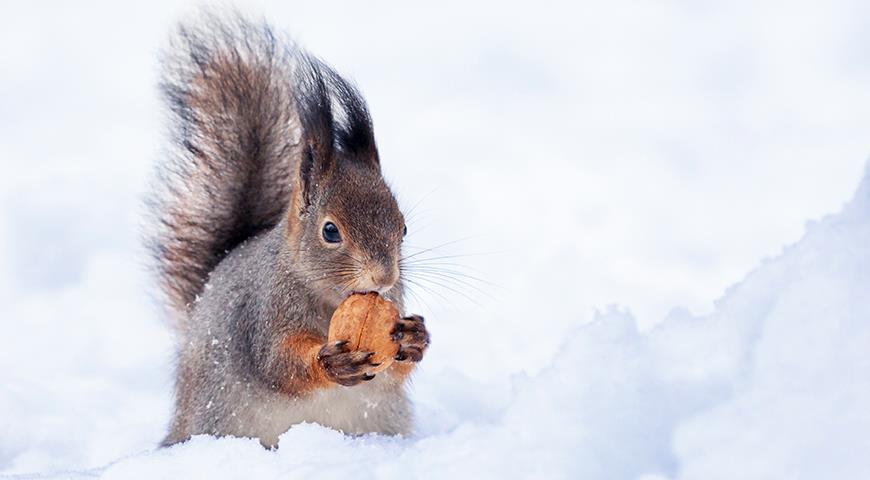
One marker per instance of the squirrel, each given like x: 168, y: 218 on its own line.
x: 270, y: 209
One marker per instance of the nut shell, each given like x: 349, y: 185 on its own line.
x: 365, y: 321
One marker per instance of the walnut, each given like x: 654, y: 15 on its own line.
x: 366, y: 321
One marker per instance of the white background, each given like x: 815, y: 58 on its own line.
x: 643, y: 154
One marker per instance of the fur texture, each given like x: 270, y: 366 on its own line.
x: 271, y: 145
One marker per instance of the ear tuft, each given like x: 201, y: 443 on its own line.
x: 333, y: 115
x: 314, y: 108
x: 354, y: 134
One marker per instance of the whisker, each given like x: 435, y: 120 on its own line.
x: 420, y: 200
x: 407, y: 288
x: 348, y: 255
x: 448, y: 287
x: 322, y: 272
x: 457, y: 281
x: 415, y: 227
x: 444, y: 257
x: 428, y: 290
x: 434, y: 248
x: 427, y: 268
x: 345, y: 286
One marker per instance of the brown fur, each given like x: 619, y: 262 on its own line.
x: 305, y: 375
x: 262, y: 161
x: 234, y: 118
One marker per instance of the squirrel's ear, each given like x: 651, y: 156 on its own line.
x: 335, y: 122
x: 305, y: 180
x: 314, y: 109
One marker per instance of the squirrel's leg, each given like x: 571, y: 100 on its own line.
x: 413, y: 339
x: 310, y: 363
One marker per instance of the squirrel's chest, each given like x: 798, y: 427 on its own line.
x: 376, y: 407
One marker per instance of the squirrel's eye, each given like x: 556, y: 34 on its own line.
x: 404, y: 230
x: 330, y: 233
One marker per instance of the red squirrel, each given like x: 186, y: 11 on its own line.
x: 270, y: 210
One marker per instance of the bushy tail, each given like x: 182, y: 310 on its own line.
x: 227, y: 176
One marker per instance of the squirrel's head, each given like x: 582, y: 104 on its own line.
x: 345, y: 227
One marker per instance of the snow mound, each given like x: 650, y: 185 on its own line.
x: 774, y: 384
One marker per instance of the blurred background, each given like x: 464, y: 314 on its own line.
x: 561, y: 157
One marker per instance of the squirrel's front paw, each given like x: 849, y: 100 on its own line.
x: 346, y: 367
x: 413, y: 339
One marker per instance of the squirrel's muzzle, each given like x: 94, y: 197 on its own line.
x: 378, y: 277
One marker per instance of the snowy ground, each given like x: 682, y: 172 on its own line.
x: 640, y: 155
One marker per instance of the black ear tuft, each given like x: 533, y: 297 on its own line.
x: 333, y: 114
x: 314, y: 108
x: 354, y: 135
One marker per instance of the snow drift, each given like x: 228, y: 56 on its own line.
x: 774, y: 384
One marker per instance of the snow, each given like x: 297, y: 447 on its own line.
x: 773, y: 384
x: 621, y: 166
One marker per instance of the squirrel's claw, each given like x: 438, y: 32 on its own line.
x: 346, y: 367
x: 413, y: 338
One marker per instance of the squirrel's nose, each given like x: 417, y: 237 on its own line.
x: 379, y: 278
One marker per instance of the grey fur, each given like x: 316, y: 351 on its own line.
x: 261, y: 163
